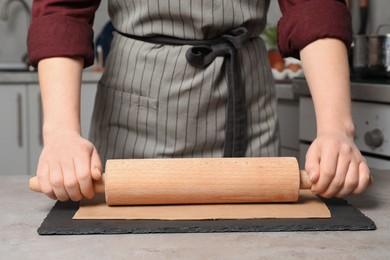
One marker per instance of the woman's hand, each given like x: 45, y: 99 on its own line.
x: 68, y: 162
x: 67, y: 166
x: 333, y: 162
x: 336, y: 166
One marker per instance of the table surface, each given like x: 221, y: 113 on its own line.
x: 23, y: 212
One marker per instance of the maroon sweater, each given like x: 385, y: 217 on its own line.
x: 63, y: 28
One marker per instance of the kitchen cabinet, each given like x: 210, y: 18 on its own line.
x: 288, y: 122
x: 13, y: 130
x: 288, y: 112
x: 21, y: 119
x: 35, y: 115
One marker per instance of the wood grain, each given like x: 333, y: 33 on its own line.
x: 201, y: 180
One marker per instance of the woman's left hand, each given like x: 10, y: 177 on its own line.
x: 335, y: 165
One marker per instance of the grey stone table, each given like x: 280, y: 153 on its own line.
x: 23, y: 211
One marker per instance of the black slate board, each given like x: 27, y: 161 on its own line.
x: 344, y: 217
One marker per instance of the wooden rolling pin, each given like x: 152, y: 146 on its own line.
x: 200, y: 180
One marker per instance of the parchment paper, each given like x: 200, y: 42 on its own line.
x: 308, y: 206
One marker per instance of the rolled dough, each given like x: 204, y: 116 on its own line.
x: 308, y: 206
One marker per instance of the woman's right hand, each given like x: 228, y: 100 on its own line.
x: 68, y: 163
x: 67, y: 166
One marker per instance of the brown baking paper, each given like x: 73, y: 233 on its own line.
x: 308, y: 206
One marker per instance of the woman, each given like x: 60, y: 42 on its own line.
x: 189, y: 79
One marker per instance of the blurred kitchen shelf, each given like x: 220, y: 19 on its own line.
x: 26, y: 77
x: 13, y: 67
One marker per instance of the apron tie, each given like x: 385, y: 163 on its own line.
x: 227, y: 46
x: 203, y: 53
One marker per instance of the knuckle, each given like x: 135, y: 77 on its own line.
x: 83, y: 176
x: 317, y: 190
x: 70, y: 182
x: 85, y: 147
x: 338, y: 184
x: 357, y: 191
x: 351, y: 184
x: 326, y: 195
x: 366, y: 178
x: 47, y: 191
x: 320, y: 191
x: 56, y: 182
x: 328, y: 174
x: 42, y: 173
x: 334, y: 144
x: 76, y: 197
x: 309, y: 165
x: 346, y: 149
x: 314, y: 191
x: 89, y: 195
x: 62, y: 198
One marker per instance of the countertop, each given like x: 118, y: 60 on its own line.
x: 364, y: 90
x: 284, y: 88
x: 367, y: 90
x: 23, y: 211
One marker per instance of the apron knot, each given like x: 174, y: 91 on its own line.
x: 204, y: 54
x: 237, y: 37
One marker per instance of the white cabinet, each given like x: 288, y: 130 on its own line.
x: 13, y: 130
x: 35, y: 115
x: 21, y: 119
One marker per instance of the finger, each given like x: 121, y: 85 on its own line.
x: 96, y: 165
x: 364, y: 178
x: 342, y: 167
x: 328, y: 167
x: 43, y: 174
x: 57, y: 182
x: 83, y: 173
x: 70, y: 180
x: 312, y: 165
x: 351, y: 181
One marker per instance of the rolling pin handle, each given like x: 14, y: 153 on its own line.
x: 98, y: 186
x: 34, y: 185
x: 305, y: 183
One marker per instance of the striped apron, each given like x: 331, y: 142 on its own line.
x: 152, y: 103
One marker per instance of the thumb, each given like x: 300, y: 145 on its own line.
x: 312, y: 165
x: 96, y: 165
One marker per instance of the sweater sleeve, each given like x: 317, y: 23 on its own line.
x: 305, y: 21
x: 62, y: 28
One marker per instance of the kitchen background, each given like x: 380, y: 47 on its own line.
x: 21, y: 139
x: 13, y: 31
